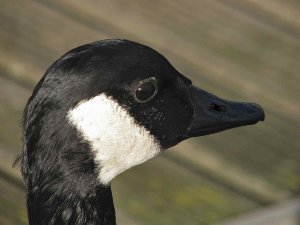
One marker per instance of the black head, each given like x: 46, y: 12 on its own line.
x: 112, y: 99
x: 103, y: 108
x: 125, y: 71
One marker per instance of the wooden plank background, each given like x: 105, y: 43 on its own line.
x: 243, y: 50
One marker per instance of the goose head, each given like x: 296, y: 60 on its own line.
x: 107, y: 106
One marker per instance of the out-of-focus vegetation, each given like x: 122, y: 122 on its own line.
x: 243, y: 50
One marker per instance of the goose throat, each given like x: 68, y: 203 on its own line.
x: 117, y: 141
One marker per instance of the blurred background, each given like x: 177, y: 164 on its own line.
x: 237, y: 49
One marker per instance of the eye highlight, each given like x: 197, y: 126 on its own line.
x: 145, y: 90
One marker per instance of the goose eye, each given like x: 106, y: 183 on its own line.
x: 146, y: 90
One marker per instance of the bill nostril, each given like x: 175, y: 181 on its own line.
x: 219, y: 108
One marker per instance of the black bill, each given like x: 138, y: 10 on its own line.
x: 212, y: 114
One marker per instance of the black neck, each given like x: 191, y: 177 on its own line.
x: 61, y: 177
x: 95, y: 208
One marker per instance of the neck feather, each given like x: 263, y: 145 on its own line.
x: 95, y: 208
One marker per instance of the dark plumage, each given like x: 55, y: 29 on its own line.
x: 59, y: 162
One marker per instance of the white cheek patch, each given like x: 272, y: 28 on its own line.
x: 117, y: 141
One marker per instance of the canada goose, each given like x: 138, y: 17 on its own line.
x: 101, y: 109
